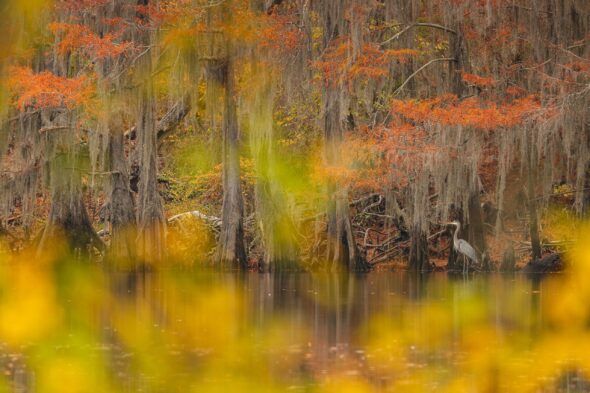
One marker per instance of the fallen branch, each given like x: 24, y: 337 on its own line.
x: 525, y: 245
x: 212, y: 220
x: 387, y: 253
x: 382, y: 244
x: 372, y: 205
x: 366, y: 237
x: 380, y: 215
x: 362, y: 199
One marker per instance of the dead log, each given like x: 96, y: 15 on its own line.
x: 211, y: 220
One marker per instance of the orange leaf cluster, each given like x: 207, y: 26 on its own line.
x: 76, y: 37
x: 448, y: 110
x: 476, y: 80
x: 384, y: 156
x: 374, y: 62
x: 339, y: 63
x: 515, y: 91
x: 245, y: 23
x: 184, y: 21
x: 332, y: 174
x: 47, y: 90
x: 280, y: 34
x: 579, y: 66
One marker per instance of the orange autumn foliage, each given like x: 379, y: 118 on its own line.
x: 448, y: 110
x: 184, y: 23
x: 47, y: 90
x: 340, y: 175
x: 385, y: 156
x: 76, y: 37
x: 280, y: 35
x: 476, y: 80
x: 340, y: 63
x: 236, y: 20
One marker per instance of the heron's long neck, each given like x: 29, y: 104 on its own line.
x: 455, y: 236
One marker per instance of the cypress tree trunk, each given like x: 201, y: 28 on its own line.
x: 121, y: 213
x: 150, y: 213
x: 276, y: 227
x: 418, y: 260
x: 474, y: 232
x: 68, y: 217
x: 475, y: 229
x: 231, y: 250
x: 532, y: 203
x: 275, y: 224
x: 342, y: 252
x: 461, y: 63
x: 215, y: 142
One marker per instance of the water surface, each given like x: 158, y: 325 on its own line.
x: 78, y: 329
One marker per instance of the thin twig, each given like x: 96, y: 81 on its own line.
x: 400, y: 88
x: 407, y: 28
x: 60, y: 128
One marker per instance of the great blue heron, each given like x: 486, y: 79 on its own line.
x: 462, y: 247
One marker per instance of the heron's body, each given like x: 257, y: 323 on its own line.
x: 462, y: 246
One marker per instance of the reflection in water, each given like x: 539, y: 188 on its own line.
x: 70, y: 327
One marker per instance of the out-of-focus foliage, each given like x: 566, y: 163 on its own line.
x: 46, y: 90
x: 72, y: 327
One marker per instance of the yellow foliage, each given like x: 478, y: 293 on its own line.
x: 28, y: 308
x: 202, y: 332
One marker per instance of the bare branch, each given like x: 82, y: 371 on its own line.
x: 61, y: 128
x: 169, y: 121
x: 400, y: 88
x: 407, y: 28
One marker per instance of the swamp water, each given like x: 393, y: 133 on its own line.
x: 72, y: 328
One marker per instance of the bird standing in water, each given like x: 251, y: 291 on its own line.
x: 463, y: 247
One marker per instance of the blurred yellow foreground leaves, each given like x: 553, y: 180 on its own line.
x: 69, y: 325
x: 28, y: 306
